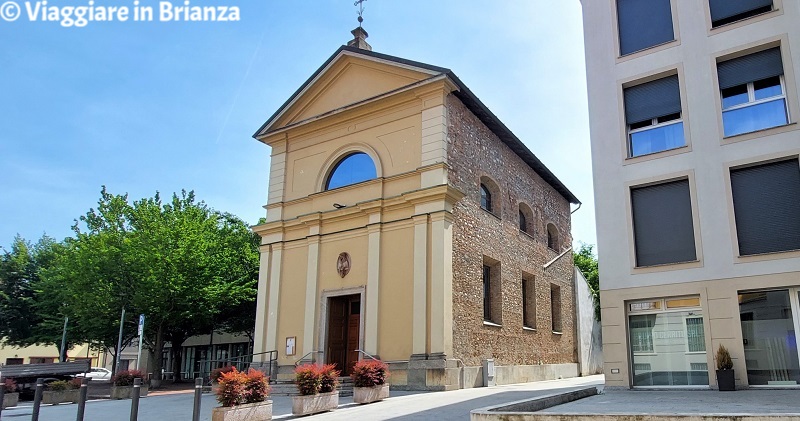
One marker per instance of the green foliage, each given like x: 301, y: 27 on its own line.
x: 586, y: 261
x: 369, y: 373
x: 61, y: 385
x: 724, y: 361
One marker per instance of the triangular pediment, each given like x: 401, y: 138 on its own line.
x: 349, y: 78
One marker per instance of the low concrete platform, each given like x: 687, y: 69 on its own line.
x: 649, y: 405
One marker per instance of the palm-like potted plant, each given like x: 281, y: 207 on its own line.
x: 122, y: 384
x: 725, y: 375
x: 61, y: 391
x: 317, y: 386
x: 243, y: 396
x: 369, y: 381
x: 11, y: 397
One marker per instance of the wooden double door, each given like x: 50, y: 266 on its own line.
x: 344, y: 322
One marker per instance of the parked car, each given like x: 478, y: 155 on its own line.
x: 97, y: 374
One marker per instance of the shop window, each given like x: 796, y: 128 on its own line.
x: 768, y: 333
x: 641, y: 333
x: 695, y: 335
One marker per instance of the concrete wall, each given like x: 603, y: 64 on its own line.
x: 589, y: 333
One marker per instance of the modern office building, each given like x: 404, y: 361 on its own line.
x: 695, y: 143
x: 406, y: 222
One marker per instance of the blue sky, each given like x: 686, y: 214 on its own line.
x: 162, y: 106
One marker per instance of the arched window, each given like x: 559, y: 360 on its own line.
x: 552, y: 237
x: 526, y: 218
x: 352, y: 169
x: 486, y: 198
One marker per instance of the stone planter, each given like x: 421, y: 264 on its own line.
x: 126, y: 392
x: 260, y: 411
x: 370, y: 394
x: 314, y: 404
x: 55, y: 397
x: 10, y: 400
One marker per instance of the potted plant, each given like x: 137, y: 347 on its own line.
x: 725, y: 377
x: 216, y: 374
x: 317, y: 387
x: 243, y: 396
x: 369, y: 381
x: 122, y: 384
x: 11, y: 397
x: 61, y: 391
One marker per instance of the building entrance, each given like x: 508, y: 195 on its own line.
x: 344, y: 322
x: 769, y: 325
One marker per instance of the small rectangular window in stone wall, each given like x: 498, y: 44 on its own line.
x: 528, y: 301
x: 555, y: 307
x: 492, y: 291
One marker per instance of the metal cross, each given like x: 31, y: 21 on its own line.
x: 360, y: 4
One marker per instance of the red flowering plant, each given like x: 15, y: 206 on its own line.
x: 11, y: 386
x: 369, y: 373
x: 308, y: 379
x: 236, y: 387
x: 125, y: 378
x: 329, y: 378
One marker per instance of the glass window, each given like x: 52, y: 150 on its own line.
x: 754, y: 106
x: 663, y: 227
x: 727, y: 11
x: 768, y: 332
x: 486, y: 198
x: 653, y: 115
x: 528, y: 301
x: 555, y: 307
x: 523, y: 223
x: 643, y: 24
x: 766, y: 206
x: 666, y: 348
x: 352, y: 169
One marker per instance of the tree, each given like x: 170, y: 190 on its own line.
x: 24, y: 318
x: 586, y: 261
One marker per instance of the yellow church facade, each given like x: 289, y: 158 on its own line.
x: 406, y: 223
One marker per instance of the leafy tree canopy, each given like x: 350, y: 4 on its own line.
x: 586, y: 261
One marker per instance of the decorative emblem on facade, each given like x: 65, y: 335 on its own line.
x: 343, y: 264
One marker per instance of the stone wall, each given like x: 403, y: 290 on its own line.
x: 475, y: 152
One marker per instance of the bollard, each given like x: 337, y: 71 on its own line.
x: 37, y: 399
x: 82, y: 399
x: 2, y: 393
x: 198, y: 394
x: 137, y: 388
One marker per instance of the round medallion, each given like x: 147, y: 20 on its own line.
x: 343, y: 264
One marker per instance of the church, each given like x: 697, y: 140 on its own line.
x: 406, y: 222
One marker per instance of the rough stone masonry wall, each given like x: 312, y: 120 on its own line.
x: 474, y: 151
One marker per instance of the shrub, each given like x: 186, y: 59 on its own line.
x: 125, y: 378
x: 724, y: 361
x: 215, y: 373
x: 329, y: 378
x: 231, y: 388
x: 61, y: 385
x: 308, y: 379
x: 11, y: 386
x: 369, y: 373
x: 256, y: 387
x: 76, y: 383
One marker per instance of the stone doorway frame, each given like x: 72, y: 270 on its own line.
x: 322, y: 334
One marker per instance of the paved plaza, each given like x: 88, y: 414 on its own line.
x: 454, y: 405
